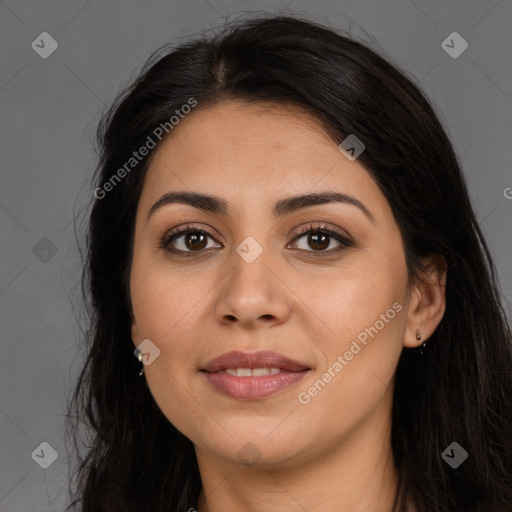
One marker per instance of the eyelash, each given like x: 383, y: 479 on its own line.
x: 311, y: 229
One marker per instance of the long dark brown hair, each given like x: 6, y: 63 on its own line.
x: 460, y: 390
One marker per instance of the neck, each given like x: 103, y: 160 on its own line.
x: 356, y: 475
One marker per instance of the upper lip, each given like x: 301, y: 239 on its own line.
x: 263, y: 359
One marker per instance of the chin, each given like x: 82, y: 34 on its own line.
x: 258, y: 450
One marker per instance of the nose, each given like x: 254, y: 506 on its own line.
x: 253, y: 293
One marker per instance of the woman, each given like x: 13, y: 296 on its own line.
x: 282, y: 235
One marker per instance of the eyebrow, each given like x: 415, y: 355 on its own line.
x: 283, y: 207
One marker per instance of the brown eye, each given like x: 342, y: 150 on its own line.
x: 318, y: 239
x: 194, y: 240
x: 187, y: 240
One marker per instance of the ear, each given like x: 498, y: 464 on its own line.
x: 427, y: 302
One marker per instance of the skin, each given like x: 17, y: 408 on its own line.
x: 333, y: 453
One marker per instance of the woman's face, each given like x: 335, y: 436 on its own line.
x: 245, y: 280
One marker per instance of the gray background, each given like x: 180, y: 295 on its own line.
x: 49, y: 110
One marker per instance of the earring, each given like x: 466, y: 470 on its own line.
x: 423, y: 345
x: 139, y: 357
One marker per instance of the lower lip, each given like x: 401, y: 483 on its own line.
x: 252, y: 388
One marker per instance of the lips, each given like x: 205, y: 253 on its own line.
x: 264, y: 359
x: 246, y: 376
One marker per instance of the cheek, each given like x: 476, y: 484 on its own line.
x: 161, y: 303
x: 353, y: 298
x: 167, y: 309
x: 362, y: 317
x: 166, y: 306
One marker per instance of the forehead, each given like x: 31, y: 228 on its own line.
x: 252, y: 153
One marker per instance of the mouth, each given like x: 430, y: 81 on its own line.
x: 247, y: 376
